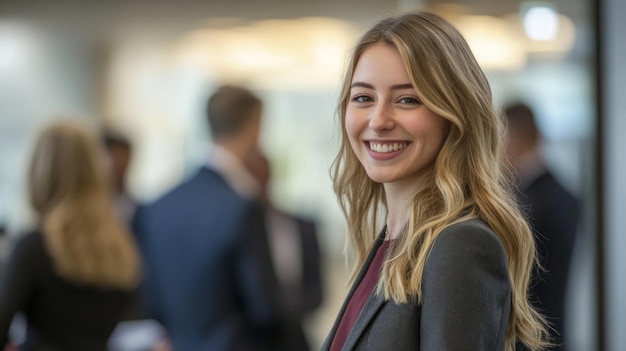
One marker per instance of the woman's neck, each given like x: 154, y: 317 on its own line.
x: 398, y: 210
x: 399, y: 205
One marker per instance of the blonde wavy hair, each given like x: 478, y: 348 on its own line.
x: 470, y: 174
x: 69, y: 191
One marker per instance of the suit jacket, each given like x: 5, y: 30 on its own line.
x: 209, y: 278
x: 553, y: 214
x: 466, y: 298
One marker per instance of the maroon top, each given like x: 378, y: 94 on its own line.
x: 361, y: 294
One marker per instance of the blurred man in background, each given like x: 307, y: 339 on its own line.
x: 209, y: 276
x: 135, y: 332
x: 295, y: 253
x: 119, y: 152
x: 552, y: 211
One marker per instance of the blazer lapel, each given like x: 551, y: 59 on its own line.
x: 371, y: 307
x: 368, y: 261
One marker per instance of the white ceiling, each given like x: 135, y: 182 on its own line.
x: 114, y: 17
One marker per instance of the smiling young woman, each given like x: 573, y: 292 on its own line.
x: 393, y: 134
x: 421, y: 147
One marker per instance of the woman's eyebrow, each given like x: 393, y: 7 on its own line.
x: 393, y: 87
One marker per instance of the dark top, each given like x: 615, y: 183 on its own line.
x: 361, y: 295
x: 61, y: 315
x: 553, y: 213
x: 466, y: 299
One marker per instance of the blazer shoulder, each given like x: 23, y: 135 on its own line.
x: 466, y: 247
x: 204, y: 185
x: 466, y: 290
x: 472, y: 231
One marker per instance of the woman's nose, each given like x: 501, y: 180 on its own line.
x: 381, y: 118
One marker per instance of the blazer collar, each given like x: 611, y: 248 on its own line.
x: 372, y: 305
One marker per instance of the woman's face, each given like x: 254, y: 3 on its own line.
x: 395, y: 137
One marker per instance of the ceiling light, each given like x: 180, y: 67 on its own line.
x: 541, y: 22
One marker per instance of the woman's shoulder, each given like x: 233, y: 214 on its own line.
x: 469, y: 254
x: 469, y: 230
x: 27, y: 249
x: 469, y: 240
x: 28, y: 242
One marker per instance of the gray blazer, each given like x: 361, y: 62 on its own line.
x: 465, y: 306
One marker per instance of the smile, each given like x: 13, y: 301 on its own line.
x: 385, y: 148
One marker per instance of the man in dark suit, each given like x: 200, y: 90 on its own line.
x: 296, y: 259
x: 553, y: 213
x: 209, y: 278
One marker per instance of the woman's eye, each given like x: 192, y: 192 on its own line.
x: 408, y: 100
x: 361, y: 98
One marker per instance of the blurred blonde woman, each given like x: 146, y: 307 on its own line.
x: 442, y: 256
x: 71, y: 277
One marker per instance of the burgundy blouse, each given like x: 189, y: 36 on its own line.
x: 361, y: 294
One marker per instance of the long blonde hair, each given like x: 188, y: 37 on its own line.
x: 470, y: 175
x: 69, y: 191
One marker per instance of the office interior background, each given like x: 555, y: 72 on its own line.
x: 145, y: 68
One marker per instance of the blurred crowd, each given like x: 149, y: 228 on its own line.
x: 210, y: 265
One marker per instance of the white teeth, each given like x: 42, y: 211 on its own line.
x: 384, y: 148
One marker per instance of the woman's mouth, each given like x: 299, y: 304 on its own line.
x: 386, y: 147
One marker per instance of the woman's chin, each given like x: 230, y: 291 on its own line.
x: 380, y: 177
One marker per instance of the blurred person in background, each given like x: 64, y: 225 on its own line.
x: 135, y: 332
x: 119, y: 156
x: 421, y: 150
x: 209, y: 276
x: 119, y: 151
x: 72, y: 276
x: 553, y: 213
x: 295, y: 253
